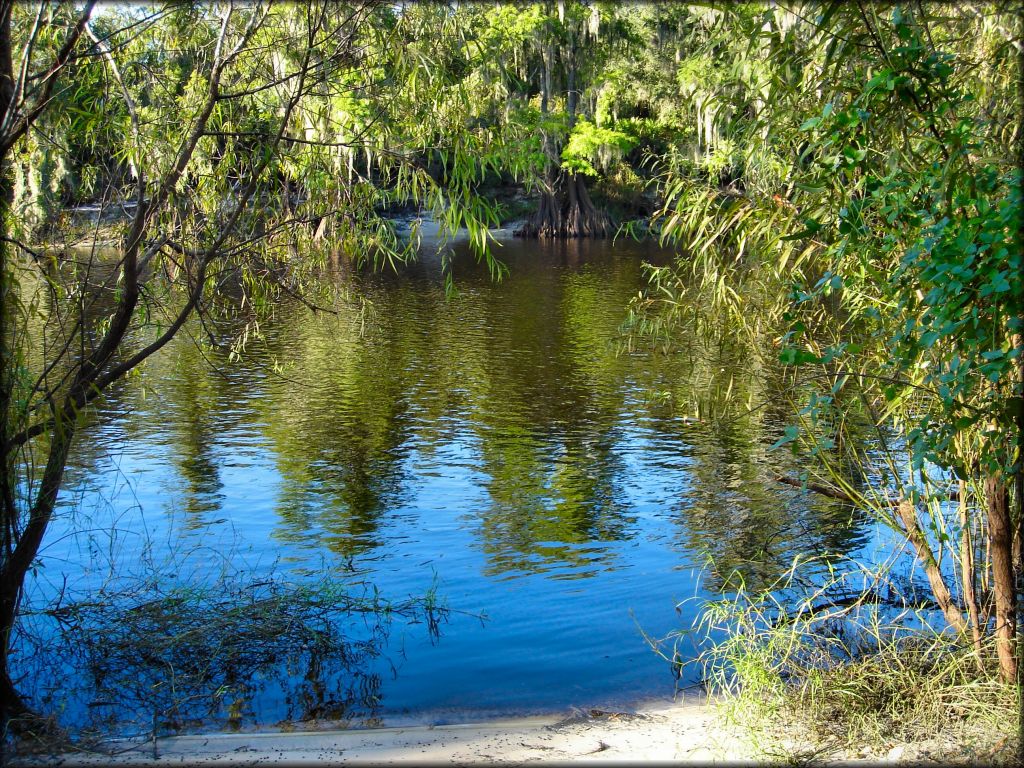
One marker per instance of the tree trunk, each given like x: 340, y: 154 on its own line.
x: 968, y: 575
x: 11, y: 704
x: 1000, y: 531
x: 1017, y: 342
x: 567, y: 212
x: 16, y: 564
x: 565, y: 209
x: 545, y: 93
x: 931, y: 568
x: 571, y: 95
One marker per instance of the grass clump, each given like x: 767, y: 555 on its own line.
x: 148, y: 658
x: 850, y: 665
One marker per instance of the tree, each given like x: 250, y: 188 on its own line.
x: 207, y: 111
x: 940, y: 218
x: 879, y: 153
x: 566, y: 209
x: 530, y: 70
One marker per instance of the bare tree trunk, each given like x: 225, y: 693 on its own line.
x: 1000, y: 531
x: 566, y: 213
x: 967, y: 573
x: 931, y: 568
x: 12, y: 706
x: 17, y: 564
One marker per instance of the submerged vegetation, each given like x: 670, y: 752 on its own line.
x: 182, y: 656
x: 841, y: 182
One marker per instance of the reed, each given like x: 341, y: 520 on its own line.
x: 837, y: 657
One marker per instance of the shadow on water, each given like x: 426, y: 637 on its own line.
x: 498, y: 444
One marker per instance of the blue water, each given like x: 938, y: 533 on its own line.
x: 560, y: 495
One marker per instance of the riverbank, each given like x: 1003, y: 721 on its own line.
x: 680, y: 733
x: 683, y: 733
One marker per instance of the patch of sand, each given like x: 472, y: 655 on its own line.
x: 680, y: 733
x: 668, y: 734
x: 677, y: 733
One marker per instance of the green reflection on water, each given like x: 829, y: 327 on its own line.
x: 528, y: 377
x: 503, y: 428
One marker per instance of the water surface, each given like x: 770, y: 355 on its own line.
x: 561, y: 495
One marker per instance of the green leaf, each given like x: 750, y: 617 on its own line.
x: 790, y: 433
x: 797, y: 356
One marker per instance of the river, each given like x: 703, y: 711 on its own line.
x: 558, y: 492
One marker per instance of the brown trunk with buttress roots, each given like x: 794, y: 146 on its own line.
x: 565, y: 209
x: 568, y: 212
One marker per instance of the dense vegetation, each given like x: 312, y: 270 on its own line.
x: 841, y: 179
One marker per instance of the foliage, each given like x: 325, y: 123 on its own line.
x: 940, y: 291
x: 181, y: 654
x: 846, y: 660
x: 895, y: 226
x: 590, y: 148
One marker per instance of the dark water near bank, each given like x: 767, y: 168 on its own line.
x: 496, y: 446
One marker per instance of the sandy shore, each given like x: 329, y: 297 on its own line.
x: 681, y: 733
x: 686, y: 732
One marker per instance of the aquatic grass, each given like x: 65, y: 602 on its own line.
x: 164, y: 656
x: 836, y: 662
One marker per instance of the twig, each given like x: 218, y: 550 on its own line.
x: 835, y: 493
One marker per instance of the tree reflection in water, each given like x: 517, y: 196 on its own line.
x: 505, y: 440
